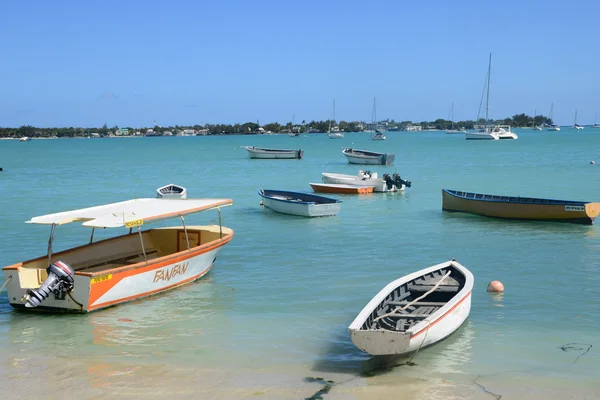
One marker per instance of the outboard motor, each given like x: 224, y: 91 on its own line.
x: 388, y: 181
x: 59, y: 281
x: 399, y: 181
x: 395, y: 180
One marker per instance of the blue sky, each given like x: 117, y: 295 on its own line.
x: 128, y: 63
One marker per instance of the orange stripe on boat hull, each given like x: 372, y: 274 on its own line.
x: 414, y: 335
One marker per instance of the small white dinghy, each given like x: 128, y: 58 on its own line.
x: 171, y: 191
x: 301, y: 204
x: 415, y: 311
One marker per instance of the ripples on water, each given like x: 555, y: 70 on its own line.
x: 278, y: 302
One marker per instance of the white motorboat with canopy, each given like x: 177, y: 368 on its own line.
x: 122, y: 268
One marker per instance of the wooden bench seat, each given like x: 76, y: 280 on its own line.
x: 418, y: 303
x: 117, y: 261
x: 441, y: 288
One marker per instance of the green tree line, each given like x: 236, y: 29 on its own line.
x: 518, y: 120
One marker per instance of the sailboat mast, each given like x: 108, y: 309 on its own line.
x: 333, y: 111
x: 487, y: 100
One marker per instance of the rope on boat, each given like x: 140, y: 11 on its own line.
x: 6, y: 283
x: 75, y: 301
x: 398, y: 309
x: 409, y: 362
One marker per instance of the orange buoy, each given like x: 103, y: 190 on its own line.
x: 496, y: 287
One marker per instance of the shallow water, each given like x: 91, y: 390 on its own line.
x: 275, y: 308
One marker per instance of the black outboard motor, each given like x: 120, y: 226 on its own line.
x: 395, y: 180
x: 399, y: 181
x: 60, y: 280
x: 388, y: 181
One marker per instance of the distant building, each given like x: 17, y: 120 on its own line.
x: 202, y: 132
x: 122, y: 132
x: 411, y: 127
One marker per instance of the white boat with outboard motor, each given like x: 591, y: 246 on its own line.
x: 356, y: 156
x: 415, y: 311
x: 122, y: 268
x: 301, y: 204
x: 171, y: 191
x: 388, y: 183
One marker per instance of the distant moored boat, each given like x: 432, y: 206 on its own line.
x: 355, y: 156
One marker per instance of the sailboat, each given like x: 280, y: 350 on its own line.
x: 535, y: 127
x: 575, y: 125
x: 553, y: 127
x: 491, y: 132
x: 595, y: 124
x: 378, y: 132
x: 453, y: 130
x: 335, y: 133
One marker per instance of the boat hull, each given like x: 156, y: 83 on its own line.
x: 433, y: 329
x: 306, y: 208
x: 340, y: 188
x: 481, y: 136
x: 370, y: 158
x: 258, y: 153
x: 97, y: 290
x: 520, y: 208
x: 379, y: 185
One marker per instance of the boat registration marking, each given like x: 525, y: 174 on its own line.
x: 574, y: 208
x: 101, y: 278
x: 135, y: 222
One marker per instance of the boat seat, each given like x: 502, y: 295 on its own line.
x: 441, y: 288
x: 118, y: 261
x: 418, y: 303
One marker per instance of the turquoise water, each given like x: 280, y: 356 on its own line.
x: 276, y: 306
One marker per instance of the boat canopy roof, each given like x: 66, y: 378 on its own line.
x: 130, y: 213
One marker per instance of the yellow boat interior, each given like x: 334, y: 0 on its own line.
x: 121, y: 251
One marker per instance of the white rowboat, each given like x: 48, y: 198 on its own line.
x: 171, y: 191
x: 301, y: 204
x: 258, y: 152
x: 355, y: 156
x: 415, y: 311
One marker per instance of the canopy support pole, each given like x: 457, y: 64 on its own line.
x: 187, y: 239
x: 220, y: 225
x: 50, y: 242
x: 142, y: 241
x: 92, y: 236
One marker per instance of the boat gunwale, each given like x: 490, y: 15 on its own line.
x: 261, y: 193
x: 362, y: 153
x: 269, y: 150
x: 519, y: 200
